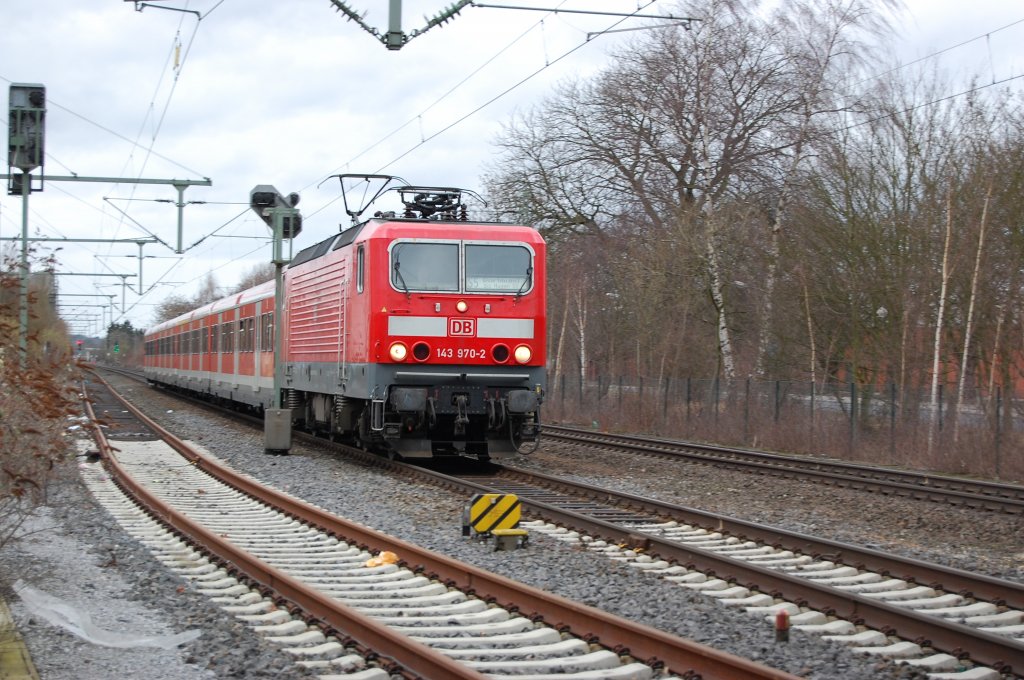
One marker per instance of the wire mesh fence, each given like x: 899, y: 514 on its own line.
x: 980, y: 433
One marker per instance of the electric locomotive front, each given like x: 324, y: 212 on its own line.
x: 458, y: 336
x: 420, y: 334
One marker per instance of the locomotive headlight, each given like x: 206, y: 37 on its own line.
x: 398, y: 351
x: 523, y: 354
x: 461, y: 306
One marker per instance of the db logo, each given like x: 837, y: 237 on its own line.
x: 462, y: 327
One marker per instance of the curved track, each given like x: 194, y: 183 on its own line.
x: 841, y: 589
x: 837, y: 586
x: 1008, y: 498
x: 433, y: 616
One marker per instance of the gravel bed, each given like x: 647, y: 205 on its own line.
x: 73, y: 550
x: 972, y: 540
x: 150, y: 596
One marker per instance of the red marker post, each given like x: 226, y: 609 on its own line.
x: 782, y: 626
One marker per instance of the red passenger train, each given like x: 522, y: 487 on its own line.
x: 419, y: 335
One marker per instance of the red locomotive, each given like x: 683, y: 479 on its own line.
x: 420, y: 335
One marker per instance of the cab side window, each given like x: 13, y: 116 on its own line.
x: 360, y: 268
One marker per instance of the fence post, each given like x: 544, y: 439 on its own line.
x: 746, y: 412
x: 810, y: 428
x: 620, y: 393
x: 939, y: 414
x: 998, y: 433
x: 778, y: 392
x: 689, y: 394
x: 714, y: 393
x: 892, y: 419
x: 853, y: 416
x: 640, y: 400
x: 561, y: 393
x: 664, y: 402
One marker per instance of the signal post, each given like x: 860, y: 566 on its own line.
x: 279, y: 213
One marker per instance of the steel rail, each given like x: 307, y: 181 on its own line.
x: 413, y: 656
x: 968, y: 584
x: 981, y: 494
x: 644, y: 643
x: 953, y: 638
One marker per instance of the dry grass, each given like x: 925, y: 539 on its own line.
x: 35, y: 402
x: 773, y: 420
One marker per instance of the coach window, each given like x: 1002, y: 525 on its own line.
x: 226, y: 346
x: 360, y: 268
x: 425, y: 266
x: 205, y: 335
x: 267, y: 332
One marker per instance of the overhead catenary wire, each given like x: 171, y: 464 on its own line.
x: 424, y: 140
x: 428, y: 136
x: 611, y: 29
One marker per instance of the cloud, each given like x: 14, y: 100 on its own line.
x: 266, y: 93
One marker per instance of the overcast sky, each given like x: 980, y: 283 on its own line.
x: 288, y: 93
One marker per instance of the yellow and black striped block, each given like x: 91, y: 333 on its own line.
x: 490, y: 511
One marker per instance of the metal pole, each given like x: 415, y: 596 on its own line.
x: 277, y: 420
x: 23, y: 275
x: 278, y: 311
x: 181, y: 220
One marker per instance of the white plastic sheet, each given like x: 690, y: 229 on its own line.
x: 60, y: 613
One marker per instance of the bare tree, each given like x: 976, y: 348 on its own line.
x: 664, y: 139
x: 260, y: 273
x: 173, y: 306
x: 827, y: 43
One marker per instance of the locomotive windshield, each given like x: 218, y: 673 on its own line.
x: 497, y: 269
x: 485, y: 267
x: 425, y: 266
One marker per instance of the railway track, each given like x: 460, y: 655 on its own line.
x: 886, y: 605
x: 979, y: 494
x: 873, y: 597
x: 308, y: 579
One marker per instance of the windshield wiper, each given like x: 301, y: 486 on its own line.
x: 401, y: 280
x: 526, y: 281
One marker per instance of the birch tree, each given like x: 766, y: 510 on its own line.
x: 664, y: 136
x: 939, y: 320
x: 969, y: 323
x: 827, y: 43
